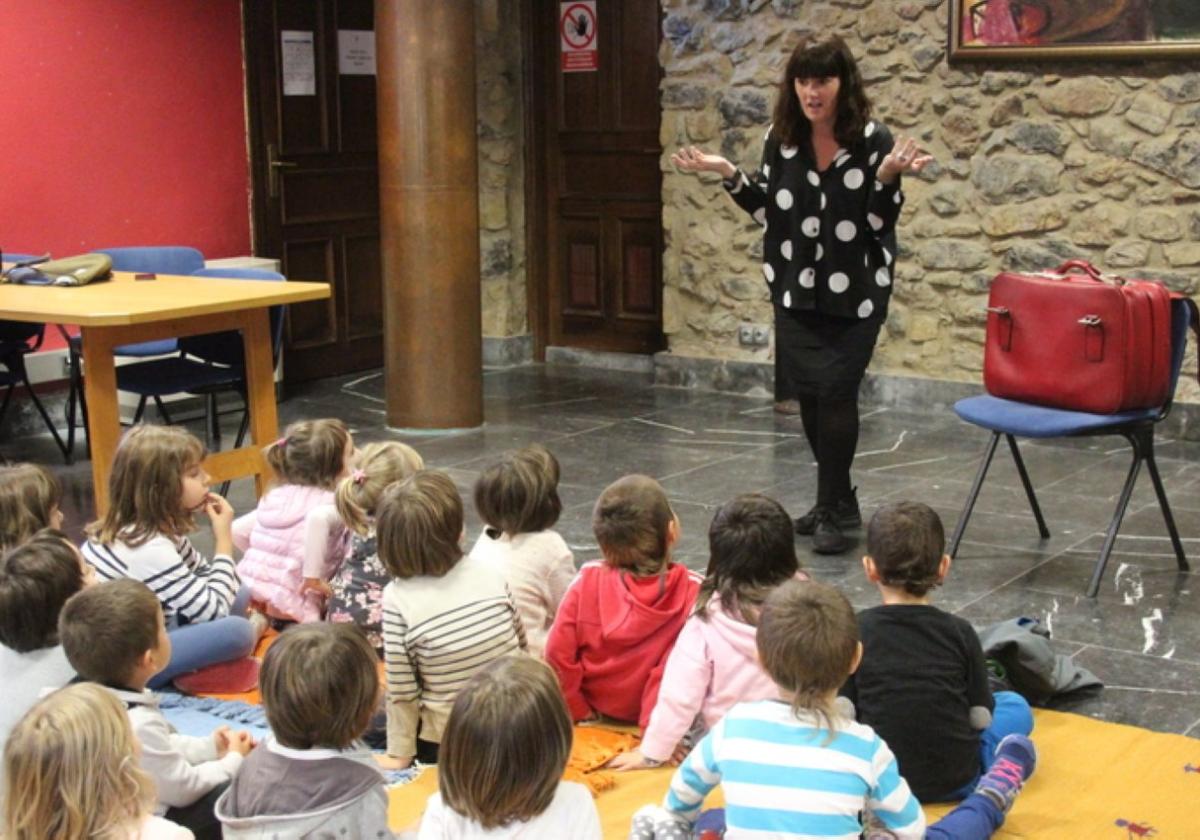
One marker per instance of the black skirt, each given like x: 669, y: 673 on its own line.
x: 819, y: 355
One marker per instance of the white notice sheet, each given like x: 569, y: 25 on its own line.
x: 298, y: 63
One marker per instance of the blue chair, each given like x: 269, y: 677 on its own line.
x: 158, y: 259
x: 17, y: 340
x: 1015, y: 419
x: 206, y: 365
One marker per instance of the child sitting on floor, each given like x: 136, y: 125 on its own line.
x: 71, y: 773
x: 517, y: 499
x: 288, y: 550
x: 619, y: 619
x: 356, y: 591
x: 36, y: 579
x: 923, y: 682
x: 114, y: 635
x: 445, y: 616
x: 503, y: 754
x: 714, y: 664
x: 820, y: 772
x: 29, y: 501
x: 156, y: 488
x: 320, y: 684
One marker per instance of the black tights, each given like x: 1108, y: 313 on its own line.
x: 831, y: 426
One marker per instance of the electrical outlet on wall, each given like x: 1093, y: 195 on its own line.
x: 754, y: 335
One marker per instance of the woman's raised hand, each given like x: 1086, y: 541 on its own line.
x: 692, y: 159
x: 906, y: 156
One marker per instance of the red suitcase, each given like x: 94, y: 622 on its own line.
x: 1084, y: 342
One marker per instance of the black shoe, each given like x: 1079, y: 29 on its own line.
x: 827, y: 537
x: 845, y: 513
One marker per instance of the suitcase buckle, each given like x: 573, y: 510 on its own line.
x: 1004, y: 327
x: 1093, y: 339
x: 1091, y: 320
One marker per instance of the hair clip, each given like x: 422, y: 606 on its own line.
x: 282, y: 442
x: 358, y: 476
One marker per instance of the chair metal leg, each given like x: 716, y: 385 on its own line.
x: 1029, y: 494
x: 1110, y: 537
x: 7, y: 397
x: 141, y: 409
x: 214, y: 420
x: 41, y: 409
x: 1164, y: 505
x: 162, y: 410
x: 961, y: 526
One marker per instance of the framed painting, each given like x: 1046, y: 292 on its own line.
x: 1037, y: 30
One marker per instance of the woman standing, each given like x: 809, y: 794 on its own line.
x: 828, y: 197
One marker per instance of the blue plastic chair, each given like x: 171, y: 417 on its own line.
x: 1016, y: 419
x: 17, y: 340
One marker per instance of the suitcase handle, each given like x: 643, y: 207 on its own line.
x: 1083, y: 267
x: 1004, y: 327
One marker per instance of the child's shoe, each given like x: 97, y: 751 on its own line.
x: 1015, y: 759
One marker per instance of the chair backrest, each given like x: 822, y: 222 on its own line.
x: 160, y: 259
x: 225, y: 348
x: 19, y: 332
x: 16, y: 258
x: 1181, y: 319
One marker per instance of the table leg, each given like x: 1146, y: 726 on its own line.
x: 260, y: 386
x: 104, y: 421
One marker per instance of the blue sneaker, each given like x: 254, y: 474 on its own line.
x: 1016, y: 757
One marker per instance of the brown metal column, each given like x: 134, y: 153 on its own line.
x: 429, y: 218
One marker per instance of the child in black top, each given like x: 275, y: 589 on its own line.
x: 923, y: 681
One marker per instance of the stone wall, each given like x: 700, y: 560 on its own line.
x: 501, y: 166
x: 1035, y: 164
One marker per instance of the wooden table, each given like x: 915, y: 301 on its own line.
x: 124, y: 311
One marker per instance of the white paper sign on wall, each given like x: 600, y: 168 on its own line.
x: 298, y: 64
x: 356, y: 52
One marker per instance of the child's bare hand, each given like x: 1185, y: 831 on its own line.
x: 316, y: 585
x: 219, y: 511
x: 242, y: 742
x: 632, y: 760
x: 391, y: 762
x: 221, y: 737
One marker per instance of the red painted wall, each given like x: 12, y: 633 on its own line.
x: 122, y: 122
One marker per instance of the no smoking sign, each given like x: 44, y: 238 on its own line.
x: 577, y: 33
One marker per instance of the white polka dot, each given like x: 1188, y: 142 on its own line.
x: 787, y: 299
x: 788, y: 151
x: 766, y: 170
x: 887, y: 256
x: 896, y: 198
x: 853, y: 179
x: 768, y: 272
x: 838, y: 282
x: 820, y: 251
x: 875, y: 222
x: 878, y: 186
x: 883, y: 277
x: 808, y: 278
x: 786, y: 249
x: 842, y: 157
x: 823, y: 201
x: 865, y: 309
x: 810, y: 226
x: 784, y: 199
x: 874, y: 157
x: 845, y: 231
x: 870, y: 129
x: 814, y: 178
x: 760, y: 215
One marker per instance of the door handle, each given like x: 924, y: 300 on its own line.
x: 274, y: 164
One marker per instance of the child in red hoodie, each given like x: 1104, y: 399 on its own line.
x: 619, y: 619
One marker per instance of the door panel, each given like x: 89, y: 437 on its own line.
x: 316, y: 186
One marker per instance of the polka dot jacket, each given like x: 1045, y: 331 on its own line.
x: 829, y: 239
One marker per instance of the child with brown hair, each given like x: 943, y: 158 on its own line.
x: 824, y: 771
x: 156, y: 488
x: 30, y: 497
x: 71, y: 773
x: 36, y: 579
x: 445, y: 616
x: 619, y: 619
x: 503, y: 754
x: 320, y: 684
x: 114, y: 635
x: 923, y: 683
x: 288, y: 549
x: 517, y: 499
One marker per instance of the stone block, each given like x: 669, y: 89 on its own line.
x: 1007, y: 177
x: 1038, y: 137
x: 1148, y: 113
x: 1087, y: 96
x: 1184, y: 87
x: 1128, y: 253
x: 1036, y: 216
x: 1006, y: 110
x: 1101, y: 225
x: 952, y: 254
x: 923, y: 327
x: 743, y: 108
x: 1159, y: 225
x: 1183, y: 254
x: 1177, y: 157
x: 961, y: 131
x: 1111, y: 136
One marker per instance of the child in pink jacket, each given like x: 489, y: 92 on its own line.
x: 714, y: 663
x: 288, y: 548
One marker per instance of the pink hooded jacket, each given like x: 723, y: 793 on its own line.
x: 288, y: 525
x: 714, y: 664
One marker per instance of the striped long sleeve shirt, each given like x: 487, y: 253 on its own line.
x: 190, y: 587
x: 437, y: 632
x: 783, y: 777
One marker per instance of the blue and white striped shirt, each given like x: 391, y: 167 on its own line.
x: 783, y: 777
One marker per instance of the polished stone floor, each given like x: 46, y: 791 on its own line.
x: 1141, y: 636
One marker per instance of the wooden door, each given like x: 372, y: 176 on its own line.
x: 595, y: 180
x: 315, y: 175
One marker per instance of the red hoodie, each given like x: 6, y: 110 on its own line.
x: 612, y: 635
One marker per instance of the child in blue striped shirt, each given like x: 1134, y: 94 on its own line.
x: 796, y: 768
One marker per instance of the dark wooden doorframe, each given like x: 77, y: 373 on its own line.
x: 535, y: 90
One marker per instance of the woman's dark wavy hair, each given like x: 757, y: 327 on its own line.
x: 816, y: 58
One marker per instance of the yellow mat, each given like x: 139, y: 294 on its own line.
x: 1095, y: 780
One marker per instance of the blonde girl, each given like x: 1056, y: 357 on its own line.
x: 502, y: 759
x: 29, y: 501
x: 356, y: 592
x: 156, y: 488
x: 517, y: 499
x: 71, y: 773
x: 288, y: 550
